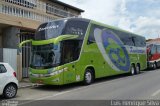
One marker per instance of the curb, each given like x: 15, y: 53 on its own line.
x: 29, y: 85
x: 26, y: 86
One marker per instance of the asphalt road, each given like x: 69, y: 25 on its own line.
x: 145, y: 86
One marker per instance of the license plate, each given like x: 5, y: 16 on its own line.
x: 40, y: 82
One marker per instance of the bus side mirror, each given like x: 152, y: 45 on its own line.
x: 64, y: 37
x: 22, y: 43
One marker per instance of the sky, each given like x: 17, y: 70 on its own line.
x: 138, y: 16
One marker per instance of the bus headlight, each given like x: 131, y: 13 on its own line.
x: 59, y: 71
x: 56, y: 72
x: 65, y: 69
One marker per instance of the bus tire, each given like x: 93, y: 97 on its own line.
x: 155, y: 65
x: 137, y: 68
x: 133, y: 70
x: 88, y: 76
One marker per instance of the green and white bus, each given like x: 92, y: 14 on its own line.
x: 77, y: 49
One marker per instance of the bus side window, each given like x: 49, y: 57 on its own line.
x: 140, y: 41
x: 75, y: 27
x: 126, y: 38
x: 91, y: 38
x: 71, y: 50
x: 153, y: 49
x: 158, y: 48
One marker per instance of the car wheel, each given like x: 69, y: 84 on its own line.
x: 10, y: 91
x: 88, y: 77
x: 133, y: 70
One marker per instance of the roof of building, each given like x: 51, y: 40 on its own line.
x: 157, y: 40
x: 67, y: 5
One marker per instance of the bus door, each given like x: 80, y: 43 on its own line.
x: 69, y: 56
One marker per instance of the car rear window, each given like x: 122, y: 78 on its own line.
x: 2, y: 68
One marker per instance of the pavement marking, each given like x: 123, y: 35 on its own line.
x: 156, y: 93
x: 54, y: 95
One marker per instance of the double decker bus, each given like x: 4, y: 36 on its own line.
x: 77, y: 49
x: 153, y: 55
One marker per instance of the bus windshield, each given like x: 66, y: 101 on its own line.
x: 45, y: 56
x: 49, y: 30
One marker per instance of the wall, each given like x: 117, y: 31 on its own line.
x: 10, y: 43
x: 1, y: 50
x: 10, y: 56
x: 0, y: 38
x: 10, y: 38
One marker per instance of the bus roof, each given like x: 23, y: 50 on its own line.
x: 98, y: 23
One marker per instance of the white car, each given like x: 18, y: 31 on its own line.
x: 8, y: 81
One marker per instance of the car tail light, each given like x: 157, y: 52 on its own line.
x: 14, y: 73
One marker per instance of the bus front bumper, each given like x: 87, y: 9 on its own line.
x: 50, y: 80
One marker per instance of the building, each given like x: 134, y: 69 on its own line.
x: 153, y: 41
x: 18, y: 21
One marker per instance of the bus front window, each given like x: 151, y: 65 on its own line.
x: 45, y: 56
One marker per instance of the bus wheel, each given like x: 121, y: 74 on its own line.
x: 88, y: 77
x: 133, y: 70
x: 137, y: 69
x: 154, y: 66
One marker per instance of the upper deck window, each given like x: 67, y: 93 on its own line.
x: 62, y: 27
x: 126, y: 38
x: 49, y: 30
x: 76, y: 27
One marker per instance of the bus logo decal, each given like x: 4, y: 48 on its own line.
x: 112, y: 49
